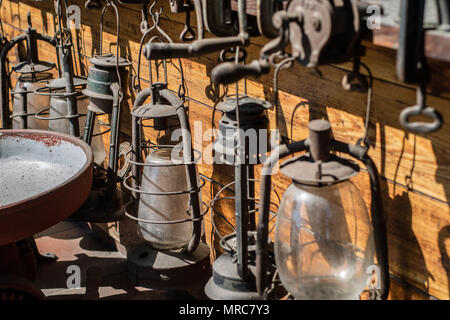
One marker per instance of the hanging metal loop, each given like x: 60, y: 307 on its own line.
x: 164, y: 37
x: 188, y: 34
x: 421, y: 109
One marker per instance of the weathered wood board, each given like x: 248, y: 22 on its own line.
x: 415, y: 169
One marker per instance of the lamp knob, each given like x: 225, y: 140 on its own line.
x: 319, y: 138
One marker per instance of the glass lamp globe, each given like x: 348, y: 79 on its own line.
x: 324, y: 241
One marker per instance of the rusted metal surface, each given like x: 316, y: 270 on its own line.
x: 45, y: 176
x: 13, y: 287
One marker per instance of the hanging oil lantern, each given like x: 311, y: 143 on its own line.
x: 325, y: 241
x: 167, y: 199
x: 166, y: 191
x: 242, y: 142
x: 32, y: 76
x: 56, y: 114
x: 106, y: 88
x: 164, y: 172
x: 107, y: 91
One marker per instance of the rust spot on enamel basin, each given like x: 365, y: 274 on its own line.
x: 44, y: 178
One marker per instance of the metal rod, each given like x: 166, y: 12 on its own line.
x: 114, y: 141
x: 23, y: 118
x: 241, y: 202
x: 263, y: 223
x: 242, y: 220
x: 191, y: 170
x: 65, y: 52
x: 89, y: 127
x: 251, y: 196
x: 72, y: 107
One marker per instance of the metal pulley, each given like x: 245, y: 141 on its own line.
x: 319, y: 32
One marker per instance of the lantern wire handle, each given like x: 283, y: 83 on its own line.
x: 365, y: 139
x: 110, y: 3
x: 284, y: 64
x: 156, y: 17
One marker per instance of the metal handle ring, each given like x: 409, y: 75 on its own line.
x: 419, y: 126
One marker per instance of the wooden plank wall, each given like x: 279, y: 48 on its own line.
x: 415, y: 169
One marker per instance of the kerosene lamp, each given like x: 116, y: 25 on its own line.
x: 166, y: 190
x: 32, y: 75
x: 107, y: 91
x: 243, y: 134
x: 325, y: 240
x: 56, y: 113
x: 242, y: 142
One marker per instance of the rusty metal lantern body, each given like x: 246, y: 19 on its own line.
x: 243, y: 132
x: 167, y: 200
x: 166, y: 190
x: 324, y: 240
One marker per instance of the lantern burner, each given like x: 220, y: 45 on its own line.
x: 319, y: 166
x: 163, y: 106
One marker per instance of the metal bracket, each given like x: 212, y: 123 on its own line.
x: 154, y: 51
x: 319, y: 32
x: 412, y: 66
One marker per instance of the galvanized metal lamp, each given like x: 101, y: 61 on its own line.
x: 106, y: 89
x: 166, y: 190
x: 324, y: 241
